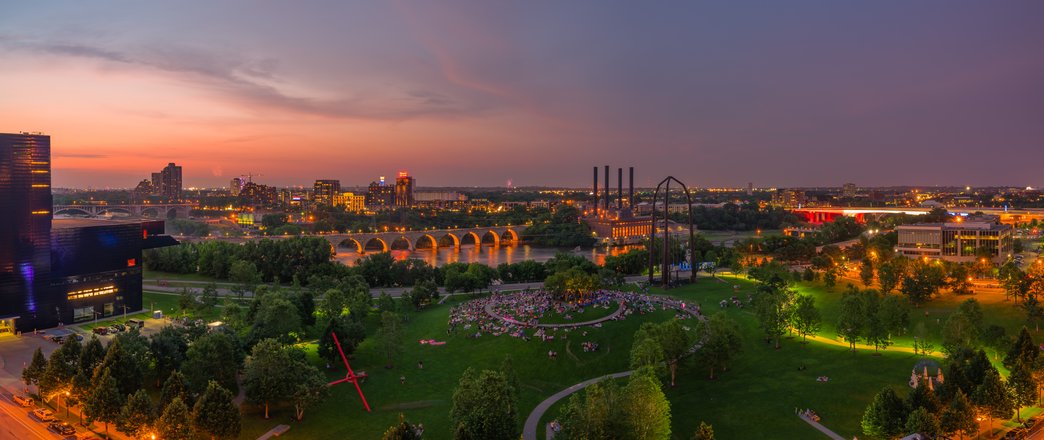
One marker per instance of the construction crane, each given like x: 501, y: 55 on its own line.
x: 250, y: 176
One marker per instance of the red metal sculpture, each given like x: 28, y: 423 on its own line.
x: 351, y: 376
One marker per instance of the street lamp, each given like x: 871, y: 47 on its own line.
x: 66, y: 403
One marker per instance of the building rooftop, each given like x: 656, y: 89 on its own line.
x: 79, y: 222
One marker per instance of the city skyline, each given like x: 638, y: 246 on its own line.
x: 801, y: 94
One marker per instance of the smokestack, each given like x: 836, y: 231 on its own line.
x: 596, y: 189
x: 607, y: 196
x: 619, y: 188
x: 630, y: 189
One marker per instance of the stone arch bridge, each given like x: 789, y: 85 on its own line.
x: 164, y: 211
x: 431, y: 239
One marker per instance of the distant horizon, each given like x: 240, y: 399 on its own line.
x: 800, y: 93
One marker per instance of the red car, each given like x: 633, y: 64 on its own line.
x: 101, y: 330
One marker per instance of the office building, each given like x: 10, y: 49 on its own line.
x: 350, y: 201
x: 235, y: 186
x: 64, y: 270
x: 325, y: 190
x: 404, y: 185
x: 380, y: 195
x: 849, y: 190
x: 789, y: 198
x: 965, y: 239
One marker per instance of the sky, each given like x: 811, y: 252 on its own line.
x: 479, y: 93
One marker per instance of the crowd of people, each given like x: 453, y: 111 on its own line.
x: 518, y: 314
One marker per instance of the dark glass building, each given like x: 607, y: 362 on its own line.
x: 380, y: 195
x: 69, y: 269
x: 25, y: 227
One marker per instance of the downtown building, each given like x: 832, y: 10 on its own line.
x: 55, y: 271
x: 959, y: 241
x: 324, y: 191
x: 380, y: 195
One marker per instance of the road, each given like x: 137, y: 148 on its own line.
x: 16, y: 424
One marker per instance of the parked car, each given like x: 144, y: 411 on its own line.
x: 135, y: 323
x: 78, y: 337
x: 57, y: 339
x: 101, y: 330
x: 42, y: 415
x: 61, y: 428
x: 23, y: 400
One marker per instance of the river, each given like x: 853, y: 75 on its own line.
x: 488, y: 255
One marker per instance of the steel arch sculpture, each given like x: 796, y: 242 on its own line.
x: 351, y: 376
x: 665, y: 267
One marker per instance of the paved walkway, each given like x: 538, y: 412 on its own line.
x: 529, y: 430
x: 822, y: 428
x: 619, y: 311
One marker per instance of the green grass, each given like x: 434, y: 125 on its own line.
x: 589, y: 314
x: 153, y: 275
x: 755, y: 398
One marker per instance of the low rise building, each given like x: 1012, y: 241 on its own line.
x: 963, y: 240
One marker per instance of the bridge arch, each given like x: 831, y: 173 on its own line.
x: 454, y: 241
x: 69, y: 210
x: 376, y: 242
x: 509, y: 235
x: 426, y: 238
x: 351, y: 242
x: 115, y: 209
x: 476, y: 239
x: 493, y: 235
x: 401, y: 243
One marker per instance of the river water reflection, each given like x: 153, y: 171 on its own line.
x: 488, y: 255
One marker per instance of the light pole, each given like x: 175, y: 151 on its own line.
x: 66, y: 403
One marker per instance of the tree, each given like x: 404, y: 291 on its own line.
x: 992, y: 397
x: 866, y: 272
x: 1034, y: 311
x: 277, y: 318
x: 924, y: 422
x: 851, y: 320
x: 1024, y: 350
x: 32, y: 373
x: 646, y: 352
x: 807, y: 319
x: 484, y: 407
x: 402, y: 431
x: 894, y: 315
x: 245, y: 275
x: 958, y: 332
x: 598, y: 415
x: 61, y: 368
x: 647, y: 409
x: 136, y: 416
x: 1023, y: 387
x: 703, y: 432
x: 215, y: 414
x: 173, y: 388
x: 389, y: 337
x: 168, y: 349
x: 104, y: 401
x: 959, y: 417
x: 922, y: 282
x: 309, y: 386
x: 721, y: 342
x: 266, y: 377
x: 889, y: 274
x: 128, y: 355
x: 773, y: 305
x: 923, y: 397
x: 176, y: 422
x: 214, y: 356
x: 348, y: 334
x: 884, y: 416
x: 675, y: 342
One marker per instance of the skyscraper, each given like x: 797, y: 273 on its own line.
x: 325, y: 190
x: 170, y: 186
x: 25, y: 240
x: 404, y: 189
x: 235, y: 186
x: 380, y: 195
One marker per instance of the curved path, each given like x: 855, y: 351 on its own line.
x: 619, y: 311
x: 529, y: 430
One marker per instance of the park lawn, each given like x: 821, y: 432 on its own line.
x: 589, y: 314
x: 996, y: 311
x: 151, y: 275
x: 427, y: 395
